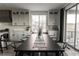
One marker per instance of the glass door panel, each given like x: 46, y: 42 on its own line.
x: 70, y: 26
x: 43, y: 23
x: 35, y: 23
x: 77, y: 29
x: 38, y: 22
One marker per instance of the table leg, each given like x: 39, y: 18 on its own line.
x: 1, y: 49
x: 16, y: 54
x: 62, y: 53
x: 46, y: 53
x: 57, y: 53
x: 20, y: 53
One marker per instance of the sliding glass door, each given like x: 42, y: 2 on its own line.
x: 38, y: 22
x: 70, y: 26
x: 43, y: 22
x: 77, y: 28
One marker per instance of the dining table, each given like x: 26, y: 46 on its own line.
x: 39, y: 46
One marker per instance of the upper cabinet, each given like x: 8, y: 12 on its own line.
x: 53, y: 15
x: 20, y: 17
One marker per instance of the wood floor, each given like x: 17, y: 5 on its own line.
x: 10, y: 52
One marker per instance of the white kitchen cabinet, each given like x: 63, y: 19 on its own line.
x: 15, y: 17
x: 20, y: 20
x: 20, y: 17
x: 26, y: 19
x: 51, y: 19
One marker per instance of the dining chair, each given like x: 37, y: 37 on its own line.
x: 63, y: 46
x: 1, y: 46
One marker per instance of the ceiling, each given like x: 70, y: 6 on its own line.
x: 32, y: 6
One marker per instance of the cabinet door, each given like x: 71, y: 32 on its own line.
x: 26, y: 19
x: 20, y: 17
x: 20, y: 20
x: 51, y: 19
x: 15, y: 18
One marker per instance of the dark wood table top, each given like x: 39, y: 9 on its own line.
x: 41, y: 43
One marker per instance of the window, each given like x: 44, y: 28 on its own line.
x: 70, y: 26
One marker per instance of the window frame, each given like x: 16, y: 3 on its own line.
x: 74, y: 27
